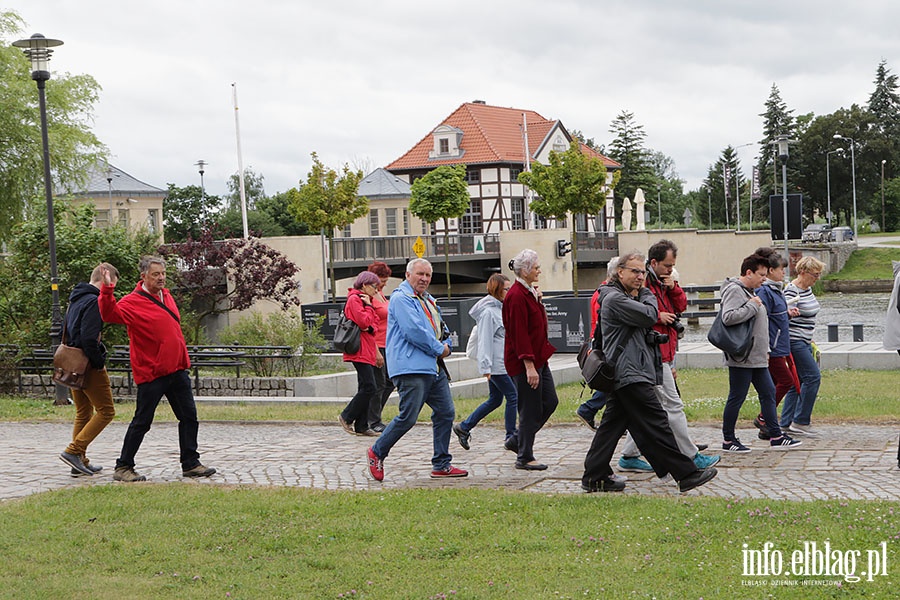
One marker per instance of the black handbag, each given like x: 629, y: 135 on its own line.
x: 734, y: 340
x: 597, y: 372
x: 346, y: 335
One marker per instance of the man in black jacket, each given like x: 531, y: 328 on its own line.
x: 627, y: 314
x: 94, y: 404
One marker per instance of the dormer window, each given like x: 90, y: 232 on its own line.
x: 446, y: 143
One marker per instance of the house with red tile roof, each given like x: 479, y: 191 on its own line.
x: 496, y: 144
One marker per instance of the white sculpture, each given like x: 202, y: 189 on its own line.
x: 626, y: 215
x: 639, y: 202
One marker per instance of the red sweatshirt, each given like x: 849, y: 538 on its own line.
x: 156, y: 343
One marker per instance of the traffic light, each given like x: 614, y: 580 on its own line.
x: 562, y: 248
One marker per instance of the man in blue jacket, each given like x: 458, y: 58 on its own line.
x: 415, y: 347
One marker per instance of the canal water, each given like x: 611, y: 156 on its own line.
x: 843, y: 309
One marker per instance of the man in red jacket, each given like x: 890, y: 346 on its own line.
x: 159, y: 360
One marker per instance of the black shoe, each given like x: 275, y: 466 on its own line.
x: 760, y: 423
x: 607, y: 484
x: 463, y: 436
x: 531, y: 466
x: 74, y: 461
x: 378, y: 427
x: 696, y: 479
x: 763, y: 434
x: 701, y: 447
x: 589, y: 422
x: 512, y: 444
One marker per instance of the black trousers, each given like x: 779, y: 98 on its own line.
x: 357, y: 410
x: 636, y: 408
x: 177, y: 389
x: 384, y: 387
x: 535, y: 407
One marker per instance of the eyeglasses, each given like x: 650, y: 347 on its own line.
x: 638, y: 272
x: 815, y: 275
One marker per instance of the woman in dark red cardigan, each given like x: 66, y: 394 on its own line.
x: 527, y: 351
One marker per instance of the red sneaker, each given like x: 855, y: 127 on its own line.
x: 376, y: 466
x: 450, y: 471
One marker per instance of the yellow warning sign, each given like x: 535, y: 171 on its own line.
x: 419, y: 247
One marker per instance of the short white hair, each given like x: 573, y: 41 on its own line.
x: 524, y: 261
x: 411, y: 265
x: 611, y: 273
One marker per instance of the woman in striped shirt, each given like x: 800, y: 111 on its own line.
x: 796, y: 411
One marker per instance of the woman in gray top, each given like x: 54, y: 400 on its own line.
x: 740, y: 303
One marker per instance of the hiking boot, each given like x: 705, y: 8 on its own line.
x: 512, y: 444
x: 589, y: 421
x: 703, y: 462
x: 760, y: 423
x: 696, y: 479
x: 784, y: 443
x: 127, y: 474
x: 735, y: 446
x: 376, y: 466
x: 198, y: 471
x: 378, y: 427
x: 450, y: 471
x: 74, y: 461
x: 462, y: 436
x: 802, y: 430
x: 634, y: 464
x: 367, y: 433
x: 87, y: 462
x: 345, y: 425
x: 607, y: 484
x: 763, y: 434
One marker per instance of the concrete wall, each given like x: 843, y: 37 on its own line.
x: 704, y: 257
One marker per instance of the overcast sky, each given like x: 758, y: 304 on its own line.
x: 361, y: 82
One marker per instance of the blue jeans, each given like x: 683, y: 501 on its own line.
x: 797, y: 408
x: 177, y: 389
x: 416, y: 391
x: 498, y: 387
x: 593, y: 405
x: 739, y: 380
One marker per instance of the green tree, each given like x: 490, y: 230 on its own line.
x: 892, y: 204
x: 777, y: 120
x: 441, y: 194
x: 884, y: 102
x: 74, y: 149
x: 627, y: 148
x: 571, y: 183
x: 254, y: 190
x: 24, y: 296
x: 277, y: 207
x: 329, y: 201
x: 188, y: 211
x: 669, y: 189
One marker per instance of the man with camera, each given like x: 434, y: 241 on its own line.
x: 416, y: 345
x: 671, y: 301
x: 627, y: 315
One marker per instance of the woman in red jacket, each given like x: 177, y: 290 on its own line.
x: 355, y: 416
x: 526, y: 353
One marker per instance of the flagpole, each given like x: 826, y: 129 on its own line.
x: 237, y: 131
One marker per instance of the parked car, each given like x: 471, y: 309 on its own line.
x: 842, y: 234
x: 817, y: 232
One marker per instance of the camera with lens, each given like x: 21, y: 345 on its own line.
x: 655, y: 338
x: 445, y: 332
x: 678, y: 326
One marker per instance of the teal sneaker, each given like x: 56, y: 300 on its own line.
x: 702, y: 461
x: 634, y: 464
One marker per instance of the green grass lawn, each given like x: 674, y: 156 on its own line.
x: 868, y: 263
x: 198, y: 541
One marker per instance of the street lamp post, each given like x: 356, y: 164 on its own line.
x: 38, y: 49
x: 201, y: 165
x: 782, y: 142
x: 828, y: 178
x: 882, y: 195
x: 838, y: 136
